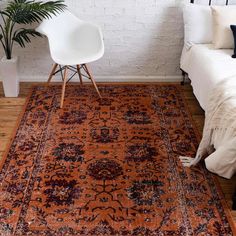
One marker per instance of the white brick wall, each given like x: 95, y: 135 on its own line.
x: 142, y: 38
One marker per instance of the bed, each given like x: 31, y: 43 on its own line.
x: 206, y: 67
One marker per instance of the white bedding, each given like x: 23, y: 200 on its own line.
x: 206, y: 67
x: 219, y: 131
x: 213, y: 77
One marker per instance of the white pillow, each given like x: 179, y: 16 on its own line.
x: 197, y: 24
x: 223, y: 17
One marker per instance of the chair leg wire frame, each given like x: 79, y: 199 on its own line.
x: 82, y: 70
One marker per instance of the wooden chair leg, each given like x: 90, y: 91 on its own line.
x: 63, y: 87
x: 92, y: 79
x: 80, y: 75
x: 52, y: 72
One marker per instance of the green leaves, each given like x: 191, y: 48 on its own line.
x: 24, y: 12
x: 22, y: 36
x: 29, y: 11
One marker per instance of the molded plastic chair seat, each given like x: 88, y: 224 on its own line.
x: 69, y: 57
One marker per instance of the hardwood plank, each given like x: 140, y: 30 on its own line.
x: 12, y: 101
x: 10, y: 109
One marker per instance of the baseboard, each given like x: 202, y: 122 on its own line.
x: 106, y: 78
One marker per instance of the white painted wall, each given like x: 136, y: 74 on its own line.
x: 143, y: 40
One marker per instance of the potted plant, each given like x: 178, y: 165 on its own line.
x: 16, y: 13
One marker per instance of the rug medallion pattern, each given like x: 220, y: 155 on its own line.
x: 107, y: 167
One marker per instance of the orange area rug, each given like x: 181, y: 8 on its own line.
x: 108, y: 167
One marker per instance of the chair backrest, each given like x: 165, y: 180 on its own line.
x: 60, y: 25
x: 67, y: 33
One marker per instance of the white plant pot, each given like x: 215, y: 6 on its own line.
x: 9, y: 76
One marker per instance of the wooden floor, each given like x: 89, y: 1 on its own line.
x: 10, y: 109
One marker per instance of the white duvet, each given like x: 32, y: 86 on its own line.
x: 206, y: 67
x: 213, y: 77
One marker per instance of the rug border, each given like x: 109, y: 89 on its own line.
x: 197, y: 132
x: 215, y: 177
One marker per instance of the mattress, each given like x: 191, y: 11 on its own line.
x: 207, y: 67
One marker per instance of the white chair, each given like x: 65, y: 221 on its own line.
x: 73, y: 43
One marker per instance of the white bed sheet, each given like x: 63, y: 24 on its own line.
x: 206, y: 67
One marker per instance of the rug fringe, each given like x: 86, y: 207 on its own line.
x: 186, y: 161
